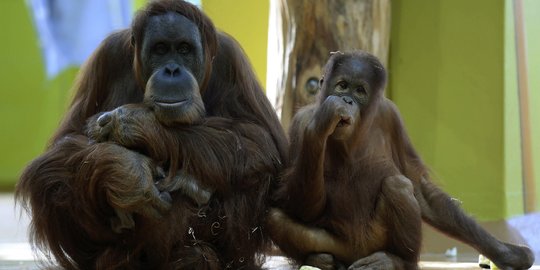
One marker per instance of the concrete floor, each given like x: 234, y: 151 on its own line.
x: 16, y: 253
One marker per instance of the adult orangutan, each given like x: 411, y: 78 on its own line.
x: 177, y: 179
x: 358, y: 190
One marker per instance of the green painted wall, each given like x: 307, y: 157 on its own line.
x: 446, y: 77
x: 453, y: 76
x: 137, y: 4
x: 31, y: 106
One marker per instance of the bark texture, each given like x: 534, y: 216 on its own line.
x: 302, y: 33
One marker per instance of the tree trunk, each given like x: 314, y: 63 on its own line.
x: 302, y: 33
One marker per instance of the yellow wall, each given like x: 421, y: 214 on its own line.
x: 247, y: 22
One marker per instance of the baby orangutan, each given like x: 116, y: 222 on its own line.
x: 357, y: 189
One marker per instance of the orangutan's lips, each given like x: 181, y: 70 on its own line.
x: 345, y: 121
x: 170, y: 103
